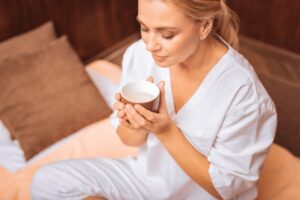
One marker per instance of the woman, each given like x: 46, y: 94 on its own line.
x: 214, y: 125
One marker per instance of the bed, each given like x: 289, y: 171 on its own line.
x: 280, y: 176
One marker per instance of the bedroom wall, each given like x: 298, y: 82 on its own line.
x: 272, y: 21
x: 95, y: 25
x: 92, y: 25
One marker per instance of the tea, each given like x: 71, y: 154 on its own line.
x: 139, y: 96
x: 143, y: 93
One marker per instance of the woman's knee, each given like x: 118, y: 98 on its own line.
x: 40, y: 180
x: 48, y: 179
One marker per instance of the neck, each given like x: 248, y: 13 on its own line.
x: 207, y: 54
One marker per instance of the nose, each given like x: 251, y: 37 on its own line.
x: 152, y: 44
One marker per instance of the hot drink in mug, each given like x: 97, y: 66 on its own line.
x: 143, y: 93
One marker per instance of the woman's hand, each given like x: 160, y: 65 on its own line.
x: 140, y: 118
x: 119, y: 106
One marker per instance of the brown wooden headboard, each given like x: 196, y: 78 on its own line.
x: 96, y: 25
x: 272, y: 21
x: 91, y: 25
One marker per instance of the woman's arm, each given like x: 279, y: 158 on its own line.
x: 131, y: 137
x: 128, y: 134
x: 193, y: 163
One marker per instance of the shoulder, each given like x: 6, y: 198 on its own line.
x: 236, y: 70
x: 238, y: 79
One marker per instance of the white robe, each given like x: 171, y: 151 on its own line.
x: 230, y: 119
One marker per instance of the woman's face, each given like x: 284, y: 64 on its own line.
x: 170, y: 36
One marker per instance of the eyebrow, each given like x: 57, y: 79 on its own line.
x: 158, y: 28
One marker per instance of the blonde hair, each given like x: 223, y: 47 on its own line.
x: 225, y: 20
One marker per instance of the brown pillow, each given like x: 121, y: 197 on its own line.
x: 27, y: 42
x: 286, y: 97
x: 46, y: 96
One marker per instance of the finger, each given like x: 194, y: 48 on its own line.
x: 121, y: 114
x: 118, y: 96
x: 128, y: 124
x: 150, y: 78
x: 135, y: 116
x: 118, y: 106
x: 124, y: 117
x: 130, y: 118
x: 148, y: 115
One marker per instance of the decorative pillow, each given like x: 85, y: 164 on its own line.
x: 286, y: 96
x: 46, y: 96
x: 27, y: 42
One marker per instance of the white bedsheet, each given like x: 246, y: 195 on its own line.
x: 11, y: 155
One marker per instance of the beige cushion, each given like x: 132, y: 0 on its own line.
x: 46, y: 96
x: 286, y: 95
x: 279, y: 71
x: 280, y: 177
x: 27, y: 42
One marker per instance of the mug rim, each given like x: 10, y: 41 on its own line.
x: 157, y: 90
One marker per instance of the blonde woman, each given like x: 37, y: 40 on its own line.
x: 215, y: 122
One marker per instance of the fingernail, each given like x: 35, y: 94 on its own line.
x: 128, y: 106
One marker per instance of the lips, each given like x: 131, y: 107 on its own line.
x: 159, y: 58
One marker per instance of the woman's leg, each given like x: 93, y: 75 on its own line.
x: 79, y: 179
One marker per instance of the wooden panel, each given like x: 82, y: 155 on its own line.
x: 273, y: 21
x: 92, y: 25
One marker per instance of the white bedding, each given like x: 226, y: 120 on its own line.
x: 11, y: 154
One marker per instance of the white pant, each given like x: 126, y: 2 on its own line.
x: 77, y: 179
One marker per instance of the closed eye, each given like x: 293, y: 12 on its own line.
x: 144, y: 29
x: 168, y: 36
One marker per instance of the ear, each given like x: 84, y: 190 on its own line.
x: 205, y: 28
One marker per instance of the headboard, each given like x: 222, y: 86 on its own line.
x: 91, y: 25
x: 272, y: 21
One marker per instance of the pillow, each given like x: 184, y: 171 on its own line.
x: 45, y: 96
x: 27, y: 42
x: 106, y: 76
x: 286, y: 97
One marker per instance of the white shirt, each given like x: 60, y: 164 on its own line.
x: 230, y: 119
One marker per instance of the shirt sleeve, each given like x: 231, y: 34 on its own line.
x: 134, y: 67
x: 241, y: 148
x: 125, y: 77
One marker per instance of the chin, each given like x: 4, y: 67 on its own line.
x: 163, y: 64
